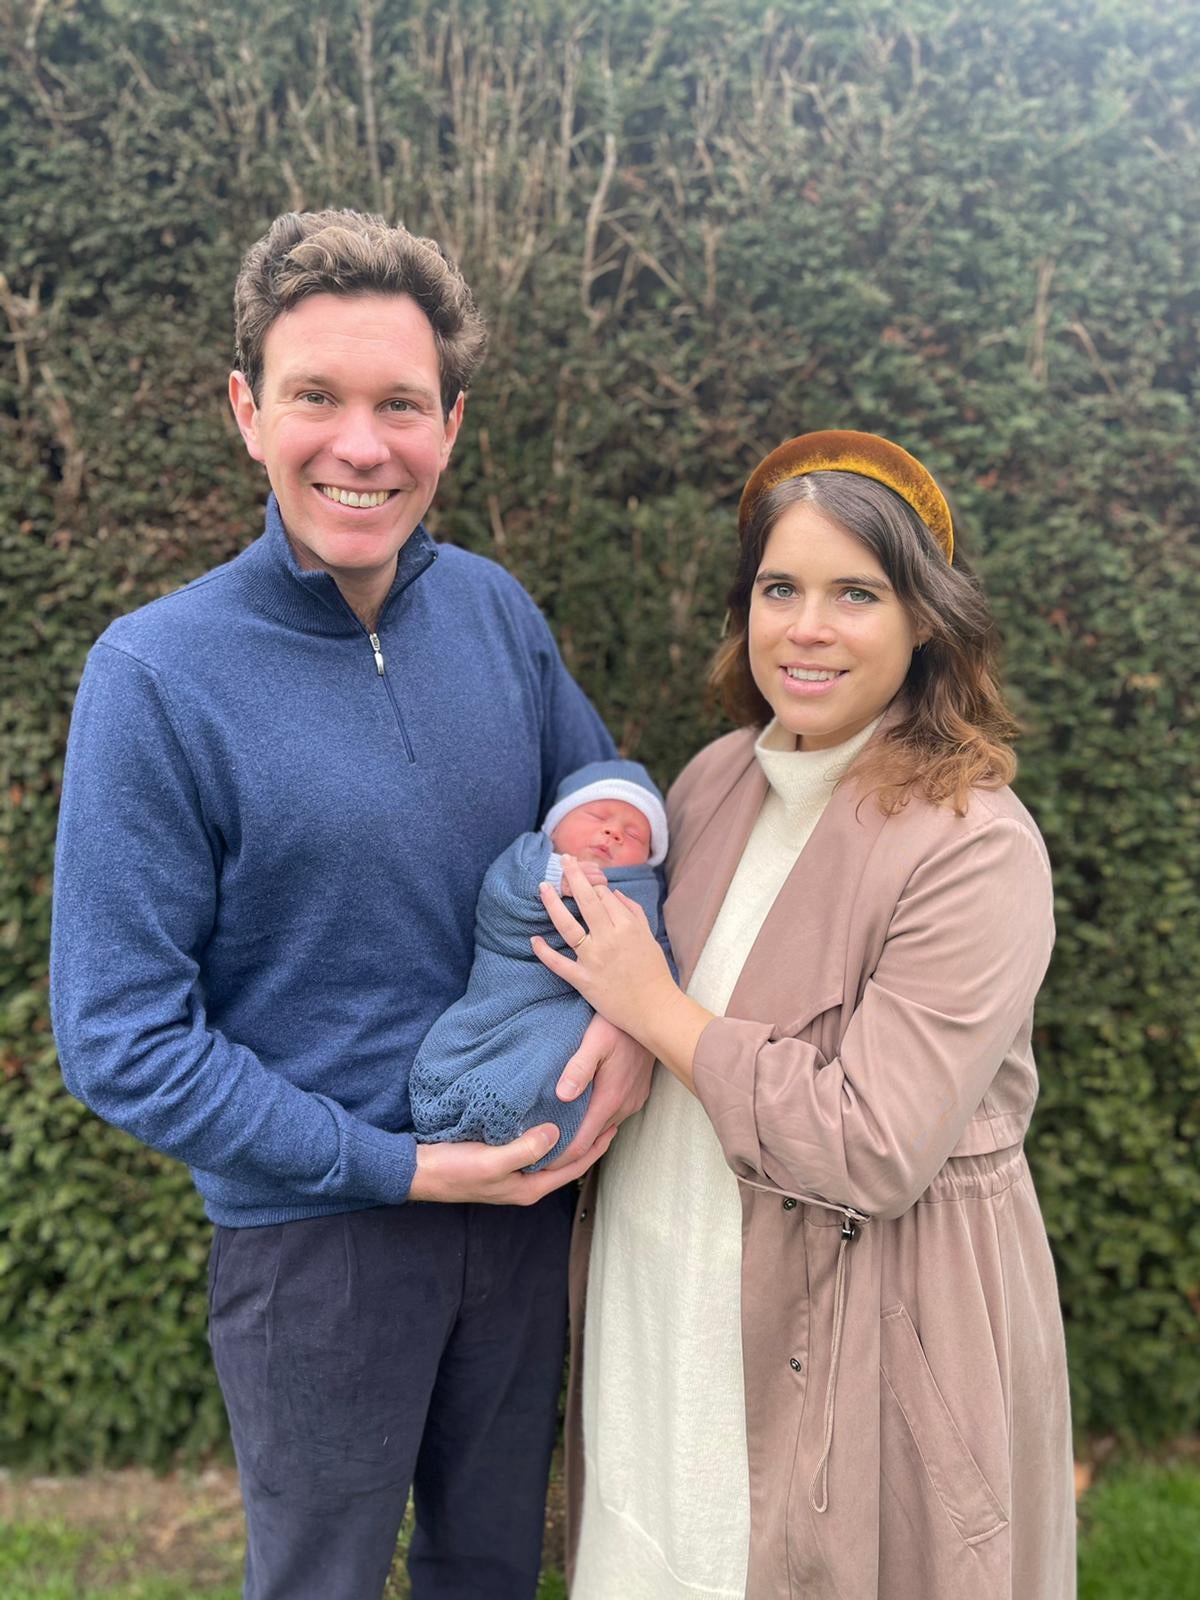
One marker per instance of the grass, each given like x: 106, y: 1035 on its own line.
x: 1140, y: 1535
x: 53, y: 1561
x: 1139, y: 1540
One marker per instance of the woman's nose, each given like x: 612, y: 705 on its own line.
x: 812, y: 621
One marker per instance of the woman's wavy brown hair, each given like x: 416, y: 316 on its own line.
x: 957, y: 733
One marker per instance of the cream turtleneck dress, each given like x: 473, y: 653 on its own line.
x: 666, y: 1512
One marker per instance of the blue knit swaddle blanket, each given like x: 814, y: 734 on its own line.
x: 488, y: 1066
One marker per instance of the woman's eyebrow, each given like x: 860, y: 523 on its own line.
x: 863, y: 583
x: 834, y: 583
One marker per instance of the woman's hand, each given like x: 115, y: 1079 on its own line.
x: 619, y: 968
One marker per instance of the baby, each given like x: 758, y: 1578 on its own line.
x: 488, y: 1066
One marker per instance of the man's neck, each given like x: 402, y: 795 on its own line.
x: 363, y: 592
x: 365, y: 599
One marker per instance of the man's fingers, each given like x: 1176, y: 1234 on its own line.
x: 554, y: 1177
x: 534, y: 1143
x: 578, y: 1072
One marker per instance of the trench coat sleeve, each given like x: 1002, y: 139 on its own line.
x: 966, y: 949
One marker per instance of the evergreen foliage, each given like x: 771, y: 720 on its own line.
x: 698, y: 227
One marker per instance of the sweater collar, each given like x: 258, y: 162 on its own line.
x: 805, y: 779
x: 311, y: 602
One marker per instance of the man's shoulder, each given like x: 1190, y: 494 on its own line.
x: 163, y: 628
x: 481, y: 576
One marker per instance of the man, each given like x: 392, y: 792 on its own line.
x: 284, y: 784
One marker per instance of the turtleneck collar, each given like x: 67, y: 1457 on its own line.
x: 311, y: 601
x: 803, y: 780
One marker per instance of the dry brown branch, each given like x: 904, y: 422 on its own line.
x: 591, y: 227
x: 493, y: 500
x: 63, y: 424
x: 22, y: 312
x: 366, y: 73
x: 1035, y: 357
x: 1096, y: 359
x: 649, y: 259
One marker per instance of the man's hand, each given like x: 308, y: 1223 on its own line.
x: 492, y: 1174
x: 618, y: 1068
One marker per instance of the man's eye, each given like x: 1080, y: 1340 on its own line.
x: 399, y: 405
x: 314, y: 397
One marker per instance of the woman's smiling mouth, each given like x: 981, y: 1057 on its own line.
x: 810, y: 682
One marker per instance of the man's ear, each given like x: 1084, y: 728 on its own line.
x: 452, y: 424
x: 245, y: 413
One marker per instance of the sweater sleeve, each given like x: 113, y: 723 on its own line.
x: 966, y: 950
x: 135, y: 900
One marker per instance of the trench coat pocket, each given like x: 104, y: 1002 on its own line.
x: 964, y: 1492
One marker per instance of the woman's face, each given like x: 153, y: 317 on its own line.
x: 829, y: 642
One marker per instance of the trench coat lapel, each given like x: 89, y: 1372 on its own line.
x: 804, y: 938
x: 690, y: 910
x: 824, y: 879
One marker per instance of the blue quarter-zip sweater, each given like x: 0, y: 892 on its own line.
x: 274, y: 829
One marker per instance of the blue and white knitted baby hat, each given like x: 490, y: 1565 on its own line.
x: 614, y: 780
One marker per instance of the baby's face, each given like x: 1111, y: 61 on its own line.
x: 612, y: 833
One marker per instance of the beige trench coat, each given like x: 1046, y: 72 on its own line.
x: 875, y: 1063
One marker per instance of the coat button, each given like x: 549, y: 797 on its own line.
x: 796, y: 1366
x: 583, y: 1214
x: 789, y: 1205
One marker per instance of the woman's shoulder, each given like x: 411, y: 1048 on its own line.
x: 988, y: 813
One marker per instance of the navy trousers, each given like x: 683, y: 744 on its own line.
x: 366, y: 1352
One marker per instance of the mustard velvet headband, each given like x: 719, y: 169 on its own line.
x: 840, y: 450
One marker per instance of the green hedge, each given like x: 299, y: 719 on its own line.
x: 698, y: 226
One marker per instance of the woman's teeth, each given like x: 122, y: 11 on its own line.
x: 807, y: 675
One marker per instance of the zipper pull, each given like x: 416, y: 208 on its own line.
x: 378, y: 649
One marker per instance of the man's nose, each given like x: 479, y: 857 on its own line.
x: 359, y: 441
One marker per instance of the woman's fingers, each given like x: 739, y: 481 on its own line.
x: 554, y: 960
x: 571, y: 929
x: 593, y: 901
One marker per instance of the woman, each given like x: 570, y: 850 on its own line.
x: 823, y: 1351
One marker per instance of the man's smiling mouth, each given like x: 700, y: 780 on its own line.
x: 364, y: 498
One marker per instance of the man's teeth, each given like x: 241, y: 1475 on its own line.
x: 347, y: 497
x: 808, y: 675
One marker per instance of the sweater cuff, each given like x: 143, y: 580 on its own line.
x: 377, y: 1166
x: 553, y: 873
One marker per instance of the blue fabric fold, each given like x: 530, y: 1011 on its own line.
x: 488, y: 1066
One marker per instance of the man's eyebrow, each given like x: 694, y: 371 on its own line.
x: 321, y: 380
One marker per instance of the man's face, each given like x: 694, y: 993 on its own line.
x: 350, y: 429
x: 611, y: 833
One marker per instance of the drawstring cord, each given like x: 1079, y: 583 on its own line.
x: 821, y: 1476
x: 852, y: 1219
